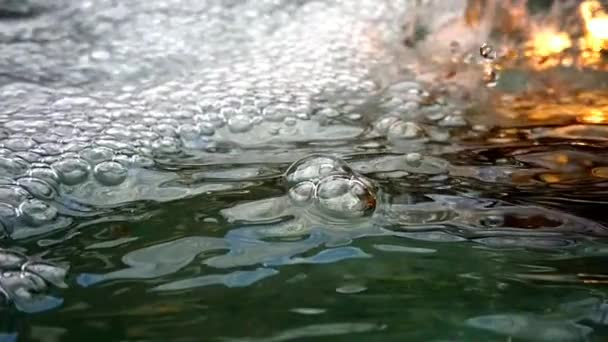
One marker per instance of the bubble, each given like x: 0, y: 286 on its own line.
x: 277, y: 113
x: 404, y: 130
x: 329, y: 112
x: 239, y: 123
x: 49, y: 272
x: 45, y: 173
x: 8, y: 215
x: 302, y: 193
x: 454, y: 120
x: 11, y: 259
x: 413, y: 159
x: 487, y: 51
x: 165, y: 130
x: 37, y: 187
x: 12, y: 194
x: 290, y: 121
x: 71, y: 171
x: 141, y: 161
x: 346, y: 197
x: 381, y: 126
x: 493, y: 221
x: 110, y: 173
x: 166, y: 145
x: 12, y: 166
x: 96, y: 155
x: 354, y: 116
x: 490, y: 76
x: 207, y: 128
x: 36, y: 212
x: 315, y: 167
x: 19, y: 144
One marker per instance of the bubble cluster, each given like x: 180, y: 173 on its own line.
x: 328, y: 187
x: 25, y: 281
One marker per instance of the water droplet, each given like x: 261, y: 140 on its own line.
x: 71, y: 171
x: 487, y: 51
x: 110, y: 173
x: 36, y: 212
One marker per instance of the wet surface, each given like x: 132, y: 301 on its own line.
x: 291, y: 170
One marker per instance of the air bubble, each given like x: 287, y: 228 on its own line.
x: 36, y: 212
x: 404, y: 130
x: 8, y: 216
x: 51, y: 273
x: 19, y: 144
x: 302, y: 193
x: 141, y: 161
x: 239, y: 123
x: 166, y: 145
x: 314, y: 168
x: 97, y: 155
x: 110, y: 173
x: 37, y: 188
x: 12, y: 166
x: 71, y: 171
x: 413, y: 159
x: 11, y: 259
x: 454, y: 120
x: 207, y: 128
x: 45, y: 173
x: 329, y: 112
x: 346, y: 197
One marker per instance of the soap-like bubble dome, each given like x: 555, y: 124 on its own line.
x: 327, y: 187
x: 314, y: 168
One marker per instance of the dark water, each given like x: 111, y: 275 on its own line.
x: 168, y: 135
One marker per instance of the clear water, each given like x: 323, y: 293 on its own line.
x: 278, y: 171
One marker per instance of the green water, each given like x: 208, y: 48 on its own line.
x: 405, y: 288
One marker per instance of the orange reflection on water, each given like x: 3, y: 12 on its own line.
x: 589, y: 107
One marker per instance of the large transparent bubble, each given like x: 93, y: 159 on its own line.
x: 328, y: 188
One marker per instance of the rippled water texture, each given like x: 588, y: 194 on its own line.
x: 290, y: 170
